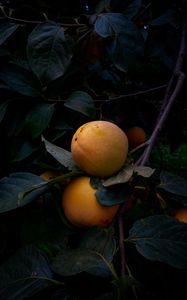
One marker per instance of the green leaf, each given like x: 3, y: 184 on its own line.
x: 124, y: 283
x: 17, y: 183
x: 94, y: 255
x: 38, y: 119
x: 20, y: 80
x: 3, y: 108
x: 143, y: 171
x: 111, y: 24
x: 167, y: 18
x: 112, y: 195
x: 173, y: 183
x: 133, y: 8
x: 161, y: 238
x: 121, y: 177
x: 63, y: 156
x: 82, y: 102
x: 6, y: 30
x: 24, y: 274
x: 21, y: 149
x: 49, y: 51
x: 126, y: 48
x: 126, y: 174
x: 127, y: 44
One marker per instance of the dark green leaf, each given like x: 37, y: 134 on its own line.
x: 63, y: 156
x: 126, y: 48
x: 49, y: 51
x: 126, y: 173
x: 82, y: 102
x: 20, y: 80
x: 168, y: 17
x: 3, y: 108
x: 17, y: 183
x: 93, y: 255
x: 75, y: 261
x: 161, y: 238
x: 99, y: 240
x: 133, y: 8
x: 6, y: 30
x: 24, y: 274
x: 110, y: 24
x: 124, y: 283
x: 112, y: 195
x: 173, y: 183
x: 38, y: 119
x: 21, y: 149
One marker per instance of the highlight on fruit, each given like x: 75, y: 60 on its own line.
x: 181, y: 214
x: 99, y: 148
x: 81, y: 207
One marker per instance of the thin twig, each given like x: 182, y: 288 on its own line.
x: 39, y: 22
x: 172, y: 92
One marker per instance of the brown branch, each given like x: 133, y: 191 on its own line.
x: 172, y: 92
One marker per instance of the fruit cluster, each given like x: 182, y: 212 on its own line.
x: 100, y: 149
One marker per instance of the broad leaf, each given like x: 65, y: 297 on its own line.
x: 38, y: 119
x: 6, y: 30
x: 121, y: 177
x: 20, y: 80
x: 24, y: 274
x: 111, y: 24
x: 127, y: 44
x: 133, y: 8
x: 63, y: 156
x: 12, y: 187
x: 143, y: 171
x: 167, y: 18
x: 82, y: 102
x: 173, y: 183
x: 112, y: 195
x: 126, y: 173
x: 126, y: 48
x: 161, y: 238
x: 3, y: 108
x: 21, y: 149
x: 93, y: 255
x: 49, y: 51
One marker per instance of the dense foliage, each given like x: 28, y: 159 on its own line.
x: 63, y: 63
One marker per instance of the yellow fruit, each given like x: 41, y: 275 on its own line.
x: 99, y: 148
x: 181, y: 214
x: 136, y: 136
x: 48, y: 175
x: 81, y: 207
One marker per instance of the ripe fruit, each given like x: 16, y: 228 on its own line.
x: 136, y: 136
x: 99, y: 148
x: 81, y: 207
x: 181, y: 214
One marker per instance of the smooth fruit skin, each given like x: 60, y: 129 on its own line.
x: 181, y: 214
x: 99, y: 148
x: 136, y: 136
x: 81, y: 207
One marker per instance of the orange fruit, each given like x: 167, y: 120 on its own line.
x: 136, y: 136
x: 99, y: 148
x: 181, y: 214
x: 81, y: 207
